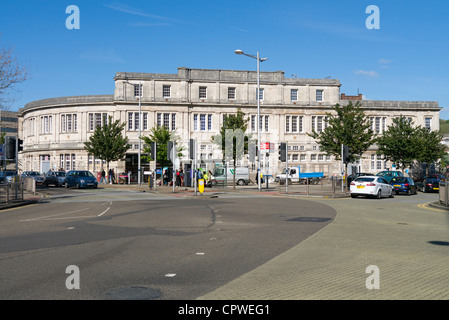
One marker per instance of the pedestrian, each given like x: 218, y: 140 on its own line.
x: 113, y: 176
x: 165, y: 177
x: 103, y: 176
x: 209, y: 181
x: 181, y: 176
x: 178, y: 178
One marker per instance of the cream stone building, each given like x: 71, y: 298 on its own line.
x: 192, y: 103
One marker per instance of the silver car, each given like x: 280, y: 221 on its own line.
x: 35, y: 175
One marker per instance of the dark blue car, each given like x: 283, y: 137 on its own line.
x: 80, y: 179
x: 404, y: 185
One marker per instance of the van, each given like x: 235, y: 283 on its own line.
x: 241, y: 176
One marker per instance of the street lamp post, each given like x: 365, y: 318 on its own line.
x: 140, y: 141
x: 259, y: 60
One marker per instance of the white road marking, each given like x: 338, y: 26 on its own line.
x: 104, y: 211
x: 55, y: 215
x: 170, y: 275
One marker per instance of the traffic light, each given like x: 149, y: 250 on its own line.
x: 153, y: 150
x: 169, y: 150
x: 192, y: 149
x: 10, y: 146
x: 283, y: 152
x: 19, y: 145
x: 346, y: 154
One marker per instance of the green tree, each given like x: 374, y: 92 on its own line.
x: 399, y: 143
x: 429, y: 148
x: 238, y: 123
x: 348, y: 125
x: 161, y: 135
x: 107, y: 143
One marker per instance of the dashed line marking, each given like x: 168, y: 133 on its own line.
x: 170, y: 275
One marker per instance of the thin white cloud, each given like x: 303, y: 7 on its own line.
x: 149, y: 24
x: 385, y: 61
x: 137, y: 12
x: 367, y: 73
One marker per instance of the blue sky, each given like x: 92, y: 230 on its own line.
x: 406, y: 59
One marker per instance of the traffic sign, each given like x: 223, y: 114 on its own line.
x: 201, y: 185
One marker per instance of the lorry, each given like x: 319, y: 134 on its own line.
x: 295, y: 176
x: 223, y: 174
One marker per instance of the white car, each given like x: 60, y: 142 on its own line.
x: 371, y: 186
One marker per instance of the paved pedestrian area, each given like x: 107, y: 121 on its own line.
x: 409, y: 248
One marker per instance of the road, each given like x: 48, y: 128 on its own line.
x: 131, y: 244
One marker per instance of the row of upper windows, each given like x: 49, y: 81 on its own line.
x: 201, y: 122
x: 232, y: 93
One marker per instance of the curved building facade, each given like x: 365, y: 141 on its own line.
x: 192, y: 104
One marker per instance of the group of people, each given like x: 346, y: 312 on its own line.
x: 206, y: 175
x: 179, y: 178
x: 110, y: 177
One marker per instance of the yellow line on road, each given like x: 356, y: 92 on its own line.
x: 426, y: 206
x: 19, y: 207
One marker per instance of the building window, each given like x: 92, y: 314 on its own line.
x: 302, y: 157
x: 133, y: 121
x: 253, y: 123
x: 319, y: 95
x: 145, y: 121
x: 319, y: 123
x: 203, y: 92
x: 32, y: 126
x: 294, y: 94
x: 293, y: 124
x: 137, y: 90
x: 378, y: 124
x: 295, y: 157
x: 46, y: 124
x: 209, y: 122
x: 173, y: 121
x: 168, y: 120
x: 260, y: 94
x: 166, y: 91
x: 313, y: 157
x: 97, y: 120
x: 231, y: 93
x: 428, y: 123
x: 202, y: 122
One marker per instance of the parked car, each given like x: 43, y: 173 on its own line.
x: 7, y: 176
x: 431, y: 183
x: 80, y: 179
x: 388, y: 175
x: 404, y: 185
x: 56, y: 178
x: 371, y: 186
x: 354, y: 176
x: 35, y: 175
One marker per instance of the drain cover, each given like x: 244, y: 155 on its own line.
x: 310, y: 219
x: 133, y: 293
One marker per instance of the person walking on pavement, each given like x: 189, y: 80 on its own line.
x: 103, y: 176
